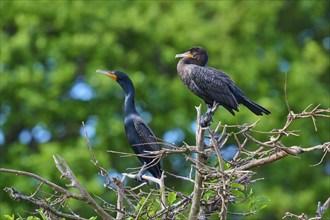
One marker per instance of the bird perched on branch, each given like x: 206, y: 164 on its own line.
x: 139, y: 135
x: 213, y: 86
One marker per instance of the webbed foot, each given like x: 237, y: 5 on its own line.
x: 206, y: 120
x: 141, y: 172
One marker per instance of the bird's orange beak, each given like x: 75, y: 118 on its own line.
x: 110, y: 74
x: 186, y: 54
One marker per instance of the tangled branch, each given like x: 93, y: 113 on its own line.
x: 214, y: 186
x: 319, y: 212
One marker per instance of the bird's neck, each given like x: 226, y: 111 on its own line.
x: 193, y: 61
x: 129, y: 106
x: 181, y: 65
x: 187, y: 61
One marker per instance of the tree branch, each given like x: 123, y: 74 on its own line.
x: 279, y: 155
x: 195, y: 206
x: 63, y: 167
x: 322, y: 208
x: 40, y: 203
x: 319, y: 212
x: 214, y: 187
x: 55, y: 187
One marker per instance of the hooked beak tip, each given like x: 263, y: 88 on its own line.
x: 108, y: 73
x: 183, y: 55
x: 103, y: 72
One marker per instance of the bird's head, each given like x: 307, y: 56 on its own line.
x: 114, y: 74
x: 118, y: 76
x: 197, y: 55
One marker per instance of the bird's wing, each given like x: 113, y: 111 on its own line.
x: 149, y: 140
x: 146, y: 135
x: 218, y: 85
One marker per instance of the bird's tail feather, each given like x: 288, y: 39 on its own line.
x: 156, y: 172
x: 254, y: 107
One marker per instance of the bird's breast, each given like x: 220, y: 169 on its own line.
x: 184, y: 75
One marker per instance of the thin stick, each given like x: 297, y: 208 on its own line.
x: 286, y: 93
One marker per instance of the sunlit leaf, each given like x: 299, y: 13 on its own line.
x: 171, y: 197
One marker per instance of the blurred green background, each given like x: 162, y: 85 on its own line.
x: 51, y: 49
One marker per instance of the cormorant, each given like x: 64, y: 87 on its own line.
x: 139, y: 135
x: 214, y: 86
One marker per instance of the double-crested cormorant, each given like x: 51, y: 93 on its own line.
x: 213, y: 86
x: 139, y: 135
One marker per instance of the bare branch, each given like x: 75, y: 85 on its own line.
x: 286, y: 92
x: 68, y: 174
x: 319, y: 212
x: 181, y: 177
x: 195, y: 206
x: 322, y: 208
x: 279, y: 155
x: 40, y: 203
x: 119, y: 185
x: 303, y: 216
x: 55, y: 187
x: 216, y: 149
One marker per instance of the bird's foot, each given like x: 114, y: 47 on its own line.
x: 206, y: 120
x: 141, y: 172
x: 214, y: 107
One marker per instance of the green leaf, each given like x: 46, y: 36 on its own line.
x: 41, y: 213
x: 171, y: 197
x: 259, y: 202
x: 153, y: 208
x: 141, y: 202
x: 251, y: 192
x: 262, y: 199
x: 226, y: 165
x: 264, y: 206
x: 208, y: 194
x: 151, y: 211
x: 238, y: 193
x: 9, y: 217
x: 237, y: 186
x: 33, y: 218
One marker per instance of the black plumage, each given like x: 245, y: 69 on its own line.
x: 214, y: 86
x: 139, y: 135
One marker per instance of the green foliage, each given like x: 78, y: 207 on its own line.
x: 49, y: 47
x: 171, y: 197
x: 9, y: 217
x: 258, y: 202
x: 12, y: 217
x: 41, y: 213
x: 237, y: 190
x: 147, y: 207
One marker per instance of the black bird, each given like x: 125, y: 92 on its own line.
x: 213, y: 86
x: 139, y: 135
